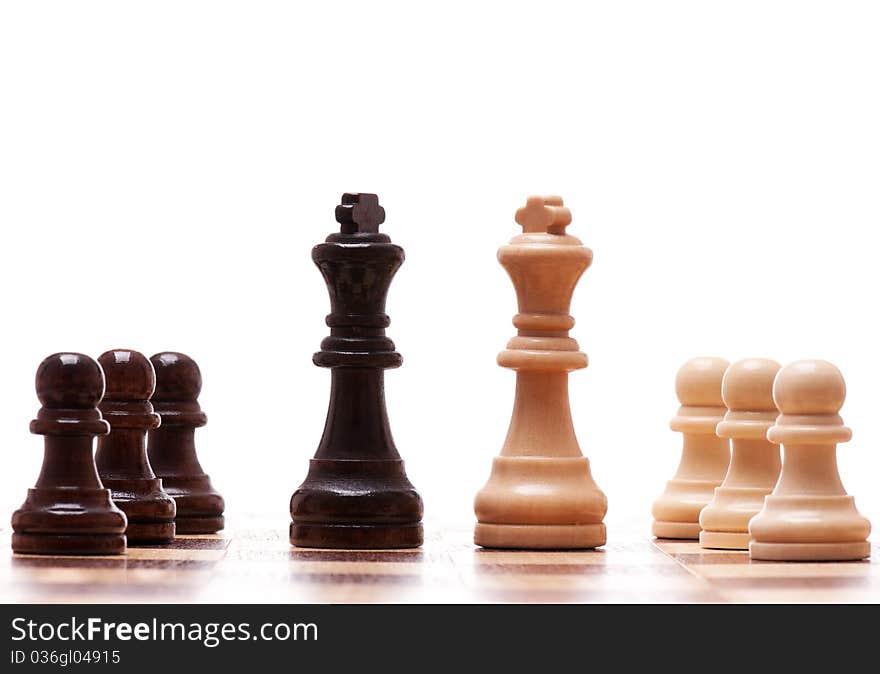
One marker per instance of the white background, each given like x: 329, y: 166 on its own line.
x: 166, y: 168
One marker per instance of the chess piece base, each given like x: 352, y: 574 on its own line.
x: 199, y: 507
x: 60, y: 544
x: 149, y: 510
x: 199, y: 525
x: 345, y: 536
x: 541, y: 502
x: 143, y: 533
x: 809, y: 552
x: 677, y: 511
x: 65, y: 521
x: 724, y: 540
x: 809, y: 528
x: 540, y: 536
x: 356, y: 504
x: 725, y: 521
x: 681, y: 530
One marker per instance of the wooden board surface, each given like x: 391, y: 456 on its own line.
x: 253, y: 562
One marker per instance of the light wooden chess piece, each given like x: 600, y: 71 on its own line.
x: 809, y: 516
x: 704, y: 456
x: 747, y: 390
x: 541, y: 493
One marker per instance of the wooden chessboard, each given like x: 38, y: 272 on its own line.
x: 253, y: 562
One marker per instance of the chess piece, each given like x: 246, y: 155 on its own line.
x: 704, y: 456
x: 809, y: 516
x: 121, y: 457
x: 541, y: 493
x: 356, y: 493
x: 747, y: 391
x: 69, y: 512
x: 172, y: 447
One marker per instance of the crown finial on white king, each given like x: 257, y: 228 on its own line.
x: 544, y: 214
x: 809, y: 515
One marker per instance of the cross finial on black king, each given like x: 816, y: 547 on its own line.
x: 360, y: 213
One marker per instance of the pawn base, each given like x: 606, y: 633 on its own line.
x: 724, y: 540
x: 199, y: 507
x: 149, y: 510
x: 540, y: 536
x: 62, y: 544
x: 140, y: 533
x: 680, y: 530
x: 346, y: 536
x: 810, y: 552
x: 200, y: 525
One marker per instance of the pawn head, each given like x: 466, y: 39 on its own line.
x: 69, y: 381
x: 178, y: 377
x: 698, y: 382
x: 748, y: 385
x: 809, y: 387
x: 129, y: 375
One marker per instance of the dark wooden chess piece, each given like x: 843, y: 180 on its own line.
x: 172, y: 446
x: 357, y: 494
x: 122, y: 455
x: 69, y: 512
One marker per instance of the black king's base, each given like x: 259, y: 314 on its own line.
x: 356, y: 504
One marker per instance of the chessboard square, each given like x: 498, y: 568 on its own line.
x: 788, y: 595
x: 354, y: 568
x: 365, y: 556
x: 672, y: 547
x: 722, y: 557
x: 170, y: 553
x: 485, y: 556
x: 188, y: 543
x: 803, y: 570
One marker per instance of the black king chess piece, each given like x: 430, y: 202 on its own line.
x: 357, y: 494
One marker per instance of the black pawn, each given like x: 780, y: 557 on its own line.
x: 69, y: 512
x: 122, y: 455
x: 357, y: 494
x: 172, y: 446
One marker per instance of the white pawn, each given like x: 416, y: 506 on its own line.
x: 747, y: 390
x: 809, y: 516
x: 704, y: 456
